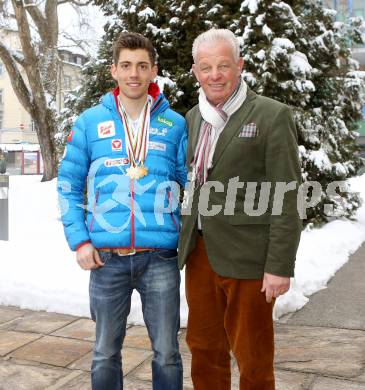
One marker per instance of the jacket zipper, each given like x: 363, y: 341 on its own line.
x: 94, y: 210
x: 132, y: 186
x: 132, y: 214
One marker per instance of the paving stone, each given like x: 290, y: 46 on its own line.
x: 8, y: 313
x: 336, y: 384
x: 132, y: 384
x: 9, y: 341
x: 53, y: 350
x: 39, y: 322
x: 325, y: 351
x: 144, y: 373
x: 83, y: 363
x: 21, y: 377
x: 286, y: 380
x: 81, y: 382
x: 132, y: 358
x: 182, y: 342
x: 361, y: 377
x: 137, y: 337
x: 82, y: 329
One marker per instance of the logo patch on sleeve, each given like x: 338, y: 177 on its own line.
x: 116, y: 145
x: 106, y: 129
x: 157, y: 146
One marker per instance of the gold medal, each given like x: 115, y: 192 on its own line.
x: 142, y: 171
x: 137, y: 172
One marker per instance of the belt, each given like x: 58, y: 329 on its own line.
x: 125, y: 251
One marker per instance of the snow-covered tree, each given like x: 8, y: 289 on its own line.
x: 294, y: 52
x: 172, y: 27
x: 297, y: 53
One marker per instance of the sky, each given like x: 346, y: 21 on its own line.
x: 86, y: 25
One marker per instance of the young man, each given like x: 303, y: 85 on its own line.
x: 131, y: 148
x: 238, y: 260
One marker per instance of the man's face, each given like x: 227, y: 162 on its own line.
x: 217, y: 70
x: 133, y: 72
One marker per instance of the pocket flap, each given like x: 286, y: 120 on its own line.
x: 244, y: 219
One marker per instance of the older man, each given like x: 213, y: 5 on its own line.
x: 239, y: 256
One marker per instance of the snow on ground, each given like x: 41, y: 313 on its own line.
x: 39, y: 272
x: 322, y: 252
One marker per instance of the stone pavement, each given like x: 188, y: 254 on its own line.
x: 40, y: 350
x: 318, y: 348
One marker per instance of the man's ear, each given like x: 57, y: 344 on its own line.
x: 113, y: 71
x: 241, y: 63
x: 194, y: 68
x: 154, y: 72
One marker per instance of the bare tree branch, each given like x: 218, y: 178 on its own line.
x: 19, y: 59
x: 17, y: 81
x: 80, y: 43
x: 38, y: 89
x: 76, y: 2
x: 38, y: 17
x: 24, y: 32
x: 51, y: 13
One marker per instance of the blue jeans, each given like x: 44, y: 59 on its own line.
x: 155, y: 275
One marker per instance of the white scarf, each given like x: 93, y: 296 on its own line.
x: 215, y: 119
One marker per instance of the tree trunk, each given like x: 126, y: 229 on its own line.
x: 46, y: 128
x: 41, y: 65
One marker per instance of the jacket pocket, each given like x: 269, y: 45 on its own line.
x: 244, y: 219
x: 94, y: 211
x: 166, y: 254
x: 171, y: 212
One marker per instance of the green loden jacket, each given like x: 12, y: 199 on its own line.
x: 240, y: 242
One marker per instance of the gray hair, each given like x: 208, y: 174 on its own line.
x: 214, y: 35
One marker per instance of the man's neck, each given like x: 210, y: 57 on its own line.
x: 133, y: 107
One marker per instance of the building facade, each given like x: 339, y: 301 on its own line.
x: 346, y: 9
x: 18, y: 137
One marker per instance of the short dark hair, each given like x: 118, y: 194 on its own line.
x: 133, y: 41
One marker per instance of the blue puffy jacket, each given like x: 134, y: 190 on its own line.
x: 122, y: 213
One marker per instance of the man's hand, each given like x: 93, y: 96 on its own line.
x: 274, y: 286
x: 88, y: 257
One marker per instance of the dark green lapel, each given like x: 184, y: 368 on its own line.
x: 233, y: 125
x: 194, y: 123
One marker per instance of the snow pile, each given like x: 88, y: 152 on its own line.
x: 322, y: 252
x: 39, y: 272
x: 251, y: 4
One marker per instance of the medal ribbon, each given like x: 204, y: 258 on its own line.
x: 137, y: 141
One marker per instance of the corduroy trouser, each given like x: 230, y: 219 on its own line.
x: 227, y: 314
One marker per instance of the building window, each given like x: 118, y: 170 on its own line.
x: 1, y: 97
x: 65, y: 57
x: 67, y: 82
x: 358, y: 4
